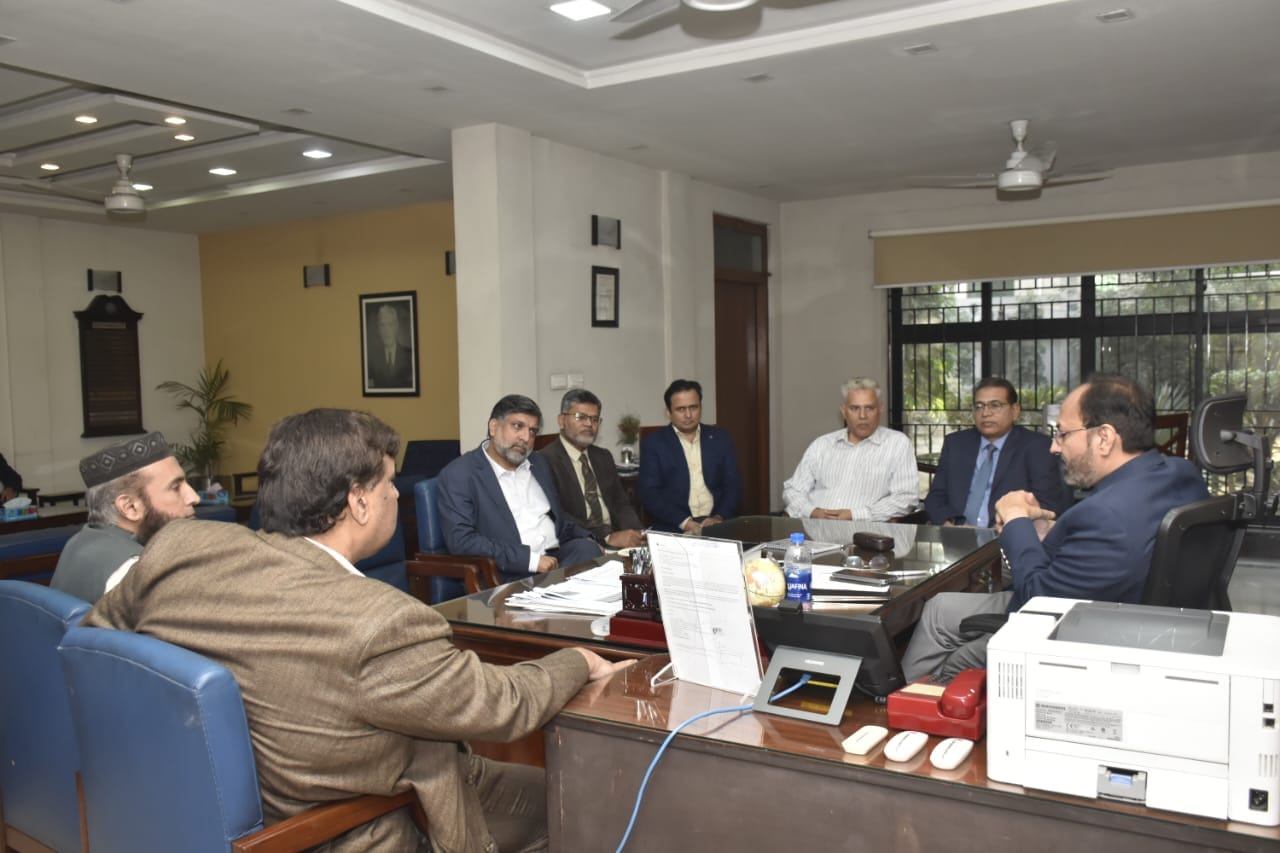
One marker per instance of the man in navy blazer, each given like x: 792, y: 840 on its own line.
x: 500, y: 499
x: 1100, y: 549
x: 688, y: 473
x: 1022, y: 461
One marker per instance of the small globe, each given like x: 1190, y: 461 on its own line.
x: 766, y: 584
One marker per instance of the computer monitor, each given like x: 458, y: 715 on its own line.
x: 861, y: 635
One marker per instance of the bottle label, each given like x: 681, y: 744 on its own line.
x: 799, y: 584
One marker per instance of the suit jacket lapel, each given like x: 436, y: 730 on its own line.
x: 488, y: 480
x: 572, y: 498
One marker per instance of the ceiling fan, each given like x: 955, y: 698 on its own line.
x: 123, y: 199
x: 645, y: 9
x: 1025, y: 171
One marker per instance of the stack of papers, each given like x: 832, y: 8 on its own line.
x: 595, y: 592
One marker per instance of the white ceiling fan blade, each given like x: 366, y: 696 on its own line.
x: 984, y: 180
x: 644, y: 10
x: 1068, y: 178
x: 47, y: 186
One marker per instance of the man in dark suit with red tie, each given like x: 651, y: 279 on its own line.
x: 586, y: 478
x: 980, y: 465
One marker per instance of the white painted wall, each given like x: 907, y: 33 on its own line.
x: 42, y: 284
x: 666, y: 277
x: 832, y: 324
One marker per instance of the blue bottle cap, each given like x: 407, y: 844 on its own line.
x: 797, y: 538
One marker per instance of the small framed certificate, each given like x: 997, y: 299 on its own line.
x: 604, y: 296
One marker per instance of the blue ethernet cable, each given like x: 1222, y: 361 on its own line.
x: 626, y: 836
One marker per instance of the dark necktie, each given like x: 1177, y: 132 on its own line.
x: 978, y: 489
x: 591, y: 491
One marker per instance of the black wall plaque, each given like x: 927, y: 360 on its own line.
x: 110, y: 373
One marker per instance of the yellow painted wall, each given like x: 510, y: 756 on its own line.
x: 290, y: 349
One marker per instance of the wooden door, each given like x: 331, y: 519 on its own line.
x: 742, y: 352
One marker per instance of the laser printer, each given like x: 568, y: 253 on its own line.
x: 1175, y: 709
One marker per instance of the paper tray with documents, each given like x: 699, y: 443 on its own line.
x: 818, y: 548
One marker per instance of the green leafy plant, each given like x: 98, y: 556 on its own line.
x: 216, y: 410
x: 628, y: 430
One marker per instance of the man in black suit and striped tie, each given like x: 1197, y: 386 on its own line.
x: 586, y: 477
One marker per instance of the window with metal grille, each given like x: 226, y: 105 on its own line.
x: 1185, y: 334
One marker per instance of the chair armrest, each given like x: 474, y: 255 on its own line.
x: 475, y: 572
x: 326, y: 822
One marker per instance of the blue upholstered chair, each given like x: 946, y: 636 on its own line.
x: 165, y: 754
x: 387, y: 565
x: 434, y: 574
x: 38, y: 755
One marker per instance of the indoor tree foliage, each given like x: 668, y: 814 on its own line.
x: 216, y: 410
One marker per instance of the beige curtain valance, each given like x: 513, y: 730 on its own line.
x: 1148, y: 242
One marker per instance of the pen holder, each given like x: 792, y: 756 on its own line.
x: 640, y: 597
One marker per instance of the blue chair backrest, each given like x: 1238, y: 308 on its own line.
x: 38, y: 753
x: 431, y: 537
x: 427, y: 458
x: 388, y: 564
x: 164, y: 744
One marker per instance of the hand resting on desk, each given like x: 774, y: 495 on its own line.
x: 598, y: 668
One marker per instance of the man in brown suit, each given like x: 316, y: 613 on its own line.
x: 350, y: 686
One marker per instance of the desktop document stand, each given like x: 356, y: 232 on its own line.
x: 821, y: 666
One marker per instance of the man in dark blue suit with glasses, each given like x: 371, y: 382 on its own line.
x: 978, y: 466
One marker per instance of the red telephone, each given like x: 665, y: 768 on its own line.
x: 956, y: 709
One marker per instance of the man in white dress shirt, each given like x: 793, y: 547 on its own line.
x: 500, y: 499
x: 864, y: 472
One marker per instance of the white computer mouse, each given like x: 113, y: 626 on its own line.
x: 904, y: 746
x: 951, y: 753
x: 864, y: 739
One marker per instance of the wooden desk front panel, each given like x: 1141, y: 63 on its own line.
x: 763, y: 782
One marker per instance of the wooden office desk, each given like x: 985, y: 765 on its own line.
x: 955, y: 559
x: 760, y: 782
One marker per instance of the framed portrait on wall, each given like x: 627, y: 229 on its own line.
x: 389, y: 344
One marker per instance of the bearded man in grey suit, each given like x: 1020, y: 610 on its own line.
x: 350, y: 686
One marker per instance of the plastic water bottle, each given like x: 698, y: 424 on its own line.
x: 798, y: 568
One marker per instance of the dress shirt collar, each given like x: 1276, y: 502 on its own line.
x: 999, y: 442
x: 876, y: 438
x: 342, y: 561
x: 697, y: 434
x: 575, y: 453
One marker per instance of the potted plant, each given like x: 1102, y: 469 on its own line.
x: 628, y: 435
x: 216, y: 410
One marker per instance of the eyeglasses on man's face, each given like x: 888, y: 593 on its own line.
x: 583, y: 417
x: 993, y: 406
x: 1061, y: 435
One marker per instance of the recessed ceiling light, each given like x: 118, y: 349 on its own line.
x: 758, y: 78
x: 50, y: 167
x: 918, y: 49
x: 317, y: 154
x: 143, y: 187
x: 184, y: 137
x: 87, y: 119
x: 1114, y: 16
x: 222, y: 171
x: 175, y: 120
x: 580, y: 10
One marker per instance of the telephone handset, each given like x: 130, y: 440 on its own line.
x: 964, y: 694
x: 955, y: 709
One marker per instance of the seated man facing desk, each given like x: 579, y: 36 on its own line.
x: 133, y: 488
x: 863, y: 472
x: 590, y: 491
x: 688, y: 473
x: 500, y: 499
x: 1100, y: 549
x: 350, y: 686
x: 1013, y: 458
